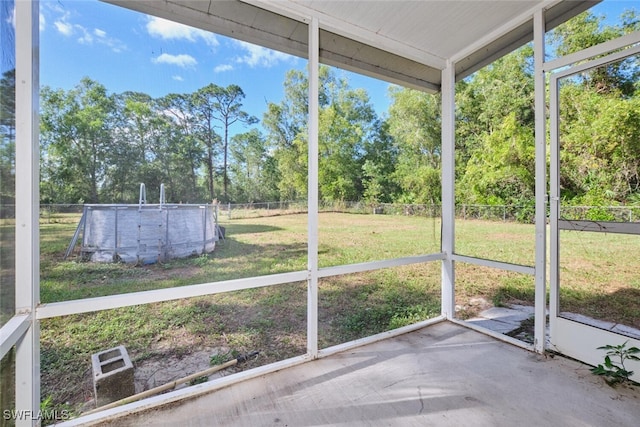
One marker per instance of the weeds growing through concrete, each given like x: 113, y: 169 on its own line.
x: 616, y: 372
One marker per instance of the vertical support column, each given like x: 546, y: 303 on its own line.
x: 541, y: 183
x: 312, y: 190
x: 448, y: 194
x: 554, y: 209
x: 27, y: 207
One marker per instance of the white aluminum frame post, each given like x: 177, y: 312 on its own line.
x: 312, y: 189
x: 27, y: 246
x: 540, y: 305
x: 448, y: 191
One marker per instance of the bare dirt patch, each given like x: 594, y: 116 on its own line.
x: 163, y: 369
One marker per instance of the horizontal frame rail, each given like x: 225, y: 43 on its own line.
x: 600, y: 226
x: 377, y: 265
x: 601, y: 49
x: 517, y: 268
x: 87, y: 305
x: 13, y: 331
x: 65, y: 308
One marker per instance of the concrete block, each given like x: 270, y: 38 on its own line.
x: 112, y: 375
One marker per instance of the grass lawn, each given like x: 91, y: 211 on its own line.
x: 273, y: 319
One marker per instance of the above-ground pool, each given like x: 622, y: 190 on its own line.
x: 145, y: 234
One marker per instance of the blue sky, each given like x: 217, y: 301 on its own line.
x: 126, y: 50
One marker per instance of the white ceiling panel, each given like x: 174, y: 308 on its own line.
x: 442, y: 28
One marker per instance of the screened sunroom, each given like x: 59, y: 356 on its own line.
x: 424, y: 342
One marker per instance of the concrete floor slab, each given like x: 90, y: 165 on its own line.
x: 503, y: 319
x: 502, y: 326
x: 441, y: 375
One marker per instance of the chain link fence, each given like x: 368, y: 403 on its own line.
x: 61, y: 213
x: 252, y: 210
x: 601, y: 213
x: 523, y: 214
x: 229, y: 211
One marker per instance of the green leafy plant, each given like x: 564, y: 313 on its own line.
x: 617, y: 373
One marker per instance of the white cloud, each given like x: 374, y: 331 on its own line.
x: 222, y: 68
x: 177, y: 78
x: 114, y: 44
x: 181, y: 60
x: 85, y: 35
x: 258, y: 56
x: 167, y: 30
x: 63, y: 27
x: 50, y: 8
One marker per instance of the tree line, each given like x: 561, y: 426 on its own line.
x: 98, y: 146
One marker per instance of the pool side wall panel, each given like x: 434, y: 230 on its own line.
x: 149, y: 233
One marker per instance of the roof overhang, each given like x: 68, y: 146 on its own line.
x: 399, y: 41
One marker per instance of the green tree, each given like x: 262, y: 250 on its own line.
x: 134, y: 137
x: 185, y: 150
x: 600, y: 145
x: 251, y: 168
x: 494, y: 132
x: 483, y: 101
x: 76, y: 135
x: 223, y: 105
x: 203, y: 109
x: 153, y: 143
x: 346, y: 124
x: 414, y: 124
x: 346, y: 120
x: 503, y: 172
x: 380, y: 162
x: 600, y: 117
x: 286, y: 125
